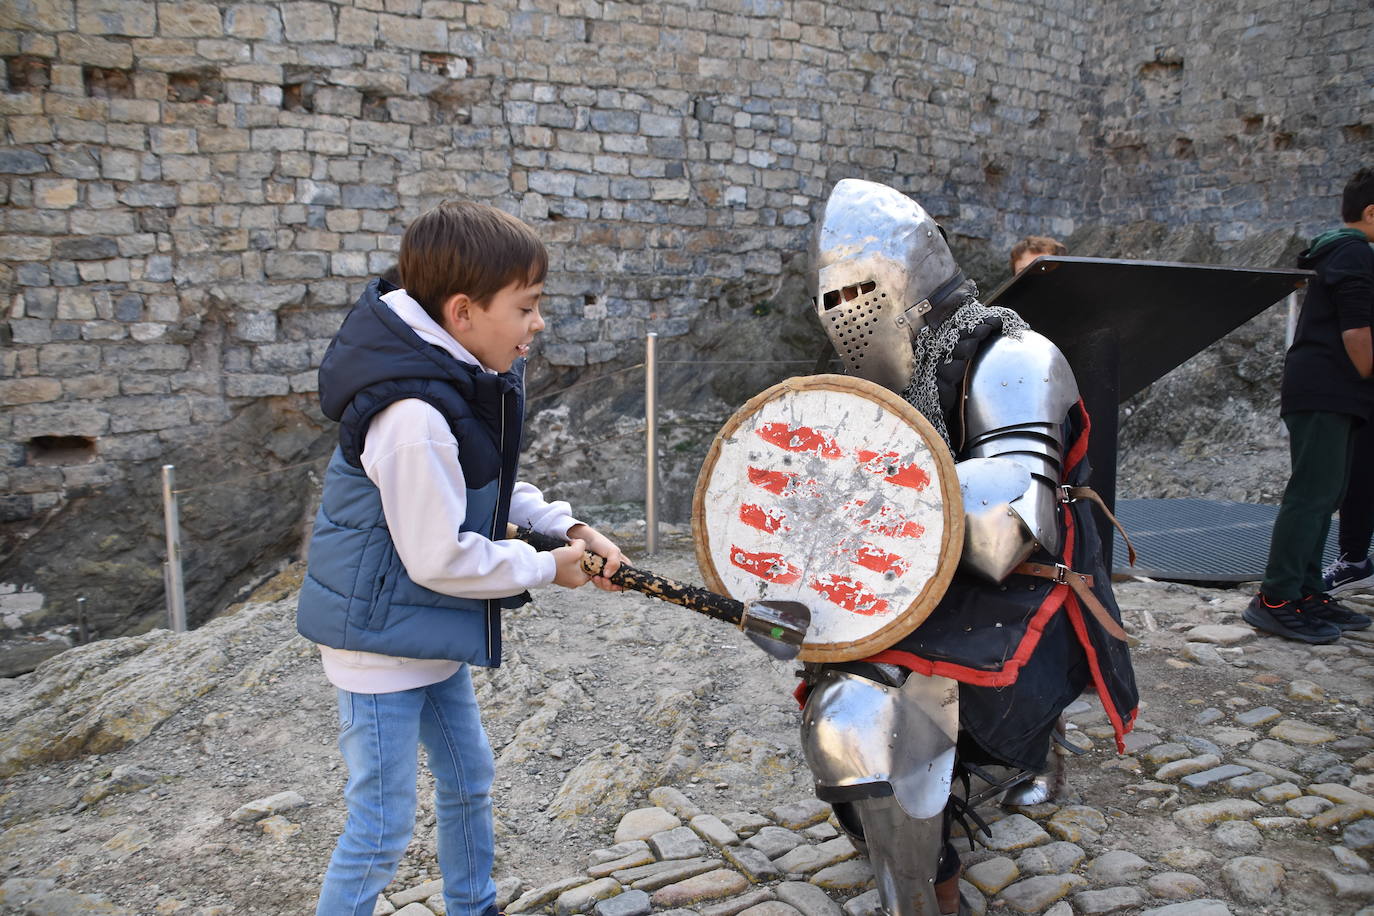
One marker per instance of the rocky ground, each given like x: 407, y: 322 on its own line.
x: 648, y: 762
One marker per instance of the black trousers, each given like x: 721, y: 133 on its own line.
x: 1320, y: 446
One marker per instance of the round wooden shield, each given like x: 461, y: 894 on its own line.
x: 835, y: 492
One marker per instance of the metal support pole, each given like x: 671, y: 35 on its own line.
x: 1292, y: 328
x: 650, y: 443
x: 176, y: 593
x: 83, y: 633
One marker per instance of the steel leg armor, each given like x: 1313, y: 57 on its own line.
x: 887, y: 747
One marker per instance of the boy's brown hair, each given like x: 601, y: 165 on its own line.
x: 470, y: 248
x: 1038, y: 244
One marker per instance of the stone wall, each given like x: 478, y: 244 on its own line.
x: 195, y: 192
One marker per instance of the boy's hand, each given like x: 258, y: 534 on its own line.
x: 603, y: 547
x: 569, y: 559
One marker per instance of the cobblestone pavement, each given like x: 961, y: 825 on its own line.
x: 1247, y: 787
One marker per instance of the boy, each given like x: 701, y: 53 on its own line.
x: 1032, y: 247
x: 408, y: 571
x: 1327, y: 395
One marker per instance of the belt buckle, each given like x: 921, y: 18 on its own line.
x: 1065, y: 496
x: 1061, y: 573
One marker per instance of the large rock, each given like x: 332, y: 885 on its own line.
x: 103, y: 696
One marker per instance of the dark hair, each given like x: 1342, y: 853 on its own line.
x: 1358, y: 194
x: 1038, y: 244
x: 469, y: 248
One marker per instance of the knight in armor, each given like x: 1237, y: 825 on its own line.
x: 1029, y: 621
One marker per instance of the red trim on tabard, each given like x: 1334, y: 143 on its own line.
x: 770, y: 566
x: 1080, y: 629
x: 1010, y: 670
x: 1079, y: 449
x: 799, y: 439
x: 907, y: 475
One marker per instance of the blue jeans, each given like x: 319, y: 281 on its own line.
x: 380, y: 738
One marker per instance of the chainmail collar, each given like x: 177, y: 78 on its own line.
x: 934, y: 346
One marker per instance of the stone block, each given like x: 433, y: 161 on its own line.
x: 580, y: 899
x: 713, y: 830
x: 94, y: 51
x: 55, y: 194
x: 142, y: 414
x: 801, y: 814
x: 24, y: 247
x: 278, y: 138
x: 307, y: 22
x: 713, y: 885
x: 146, y: 357
x: 413, y: 34
x: 302, y: 265
x: 90, y: 248
x: 642, y: 823
x: 253, y: 21
x: 630, y: 903
x: 246, y: 385
x: 753, y: 863
x: 190, y: 20
x: 1195, y: 817
x: 29, y: 391
x: 59, y: 419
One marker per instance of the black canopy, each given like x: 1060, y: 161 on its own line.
x: 1124, y: 324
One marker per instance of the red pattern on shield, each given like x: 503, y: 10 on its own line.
x: 783, y: 483
x: 770, y: 566
x: 887, y: 521
x: 767, y: 520
x: 799, y: 439
x: 772, y: 481
x: 906, y: 475
x: 850, y: 594
x: 879, y: 560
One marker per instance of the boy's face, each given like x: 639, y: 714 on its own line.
x: 500, y: 331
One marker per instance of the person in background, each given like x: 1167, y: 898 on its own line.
x: 1327, y: 396
x: 1032, y: 247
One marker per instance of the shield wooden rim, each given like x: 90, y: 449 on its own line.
x: 952, y: 510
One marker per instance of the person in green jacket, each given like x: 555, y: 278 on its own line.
x: 1327, y: 396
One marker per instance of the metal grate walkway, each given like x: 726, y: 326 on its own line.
x: 1198, y: 540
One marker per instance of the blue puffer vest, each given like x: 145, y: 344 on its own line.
x: 356, y: 593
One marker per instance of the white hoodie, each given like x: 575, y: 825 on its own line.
x: 411, y: 456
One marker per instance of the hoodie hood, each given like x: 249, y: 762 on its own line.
x: 1325, y: 243
x: 375, y: 345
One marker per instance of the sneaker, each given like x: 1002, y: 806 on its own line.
x: 1286, y: 619
x: 1344, y: 576
x: 1324, y: 607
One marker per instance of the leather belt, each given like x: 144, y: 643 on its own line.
x: 1072, y: 493
x: 1081, y: 583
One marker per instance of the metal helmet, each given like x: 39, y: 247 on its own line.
x: 879, y: 263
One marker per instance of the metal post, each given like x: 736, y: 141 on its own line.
x: 83, y: 634
x: 650, y: 443
x: 176, y: 593
x: 1292, y: 328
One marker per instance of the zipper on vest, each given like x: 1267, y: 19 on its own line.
x: 493, y: 603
